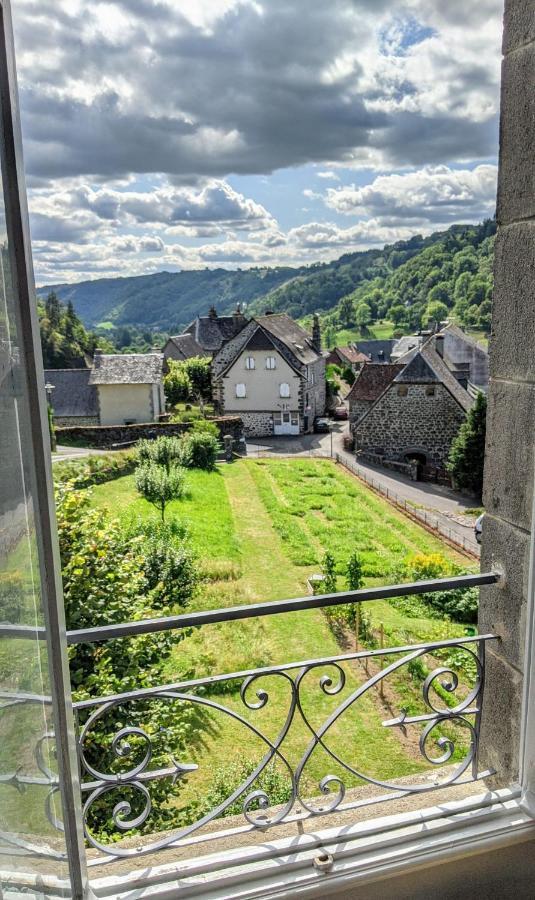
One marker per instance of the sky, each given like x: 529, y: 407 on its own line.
x: 178, y: 134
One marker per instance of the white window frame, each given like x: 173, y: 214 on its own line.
x: 250, y: 363
x: 269, y: 361
x: 241, y: 394
x: 282, y: 390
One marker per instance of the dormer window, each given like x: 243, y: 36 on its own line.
x: 284, y: 389
x: 241, y: 390
x: 271, y: 362
x: 249, y: 362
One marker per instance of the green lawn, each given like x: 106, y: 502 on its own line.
x: 260, y: 528
x: 379, y: 331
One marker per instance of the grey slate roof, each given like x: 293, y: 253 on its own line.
x: 73, y: 395
x: 296, y: 339
x: 377, y: 351
x: 405, y: 344
x: 211, y: 332
x: 187, y: 346
x: 127, y: 368
x: 428, y: 367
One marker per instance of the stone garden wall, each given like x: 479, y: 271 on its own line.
x: 108, y: 436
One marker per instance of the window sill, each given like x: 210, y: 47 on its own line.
x: 362, y: 854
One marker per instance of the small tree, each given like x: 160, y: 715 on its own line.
x: 467, y: 452
x: 354, y: 572
x: 163, y: 451
x: 159, y: 486
x: 177, y: 384
x: 363, y: 314
x: 328, y: 568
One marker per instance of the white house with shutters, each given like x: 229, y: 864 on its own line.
x: 272, y: 374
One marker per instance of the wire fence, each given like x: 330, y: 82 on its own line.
x: 432, y: 521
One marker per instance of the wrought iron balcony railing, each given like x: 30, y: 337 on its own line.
x: 130, y: 772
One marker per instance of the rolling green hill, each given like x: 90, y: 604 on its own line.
x: 407, y: 283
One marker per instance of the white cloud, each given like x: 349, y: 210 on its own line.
x: 433, y: 194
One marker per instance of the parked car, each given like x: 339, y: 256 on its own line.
x: 321, y: 426
x: 478, y: 528
x: 340, y: 412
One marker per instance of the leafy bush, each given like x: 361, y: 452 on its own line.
x: 163, y: 451
x: 110, y: 576
x: 95, y: 469
x: 176, y: 384
x: 228, y: 778
x: 159, y: 486
x: 461, y: 604
x: 199, y: 449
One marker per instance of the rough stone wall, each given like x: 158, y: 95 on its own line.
x: 317, y: 392
x: 357, y: 409
x: 257, y: 424
x: 509, y: 466
x: 415, y: 422
x: 107, y: 435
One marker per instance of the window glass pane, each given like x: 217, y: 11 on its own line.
x: 29, y: 800
x: 285, y: 390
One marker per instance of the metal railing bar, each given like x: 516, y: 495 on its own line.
x: 275, y: 607
x: 273, y: 670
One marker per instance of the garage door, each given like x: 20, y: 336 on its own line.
x: 286, y: 423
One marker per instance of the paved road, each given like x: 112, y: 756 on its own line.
x: 62, y: 453
x: 445, y: 505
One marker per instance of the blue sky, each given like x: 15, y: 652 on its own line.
x: 169, y: 134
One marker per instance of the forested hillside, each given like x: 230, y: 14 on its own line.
x: 410, y: 282
x: 166, y: 301
x: 66, y: 343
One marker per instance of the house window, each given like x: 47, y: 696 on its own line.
x: 271, y: 362
x: 284, y: 389
x: 403, y: 390
x: 241, y: 390
x: 312, y: 379
x: 249, y: 362
x: 430, y: 391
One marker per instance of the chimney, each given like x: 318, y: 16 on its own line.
x: 238, y: 315
x: 316, y: 334
x: 439, y: 344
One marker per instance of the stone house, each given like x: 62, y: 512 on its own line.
x: 182, y: 346
x: 272, y: 374
x: 74, y: 401
x: 418, y: 413
x: 129, y: 387
x: 368, y: 387
x: 346, y: 357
